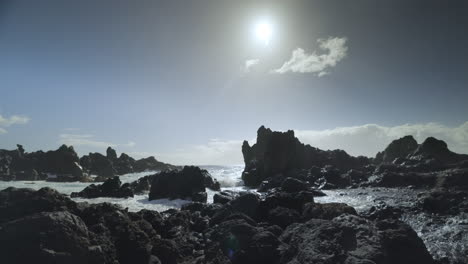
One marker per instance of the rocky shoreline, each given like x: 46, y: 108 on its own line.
x: 280, y: 227
x: 279, y: 221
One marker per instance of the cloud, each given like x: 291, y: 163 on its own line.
x: 12, y: 120
x: 88, y: 140
x: 248, y: 64
x: 302, y: 62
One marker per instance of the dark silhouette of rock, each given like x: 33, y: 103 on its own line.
x: 98, y: 164
x: 399, y: 148
x: 151, y: 164
x: 182, y: 184
x: 438, y: 150
x: 112, y: 187
x: 281, y: 153
x: 64, y: 165
x: 111, y: 153
x: 293, y: 185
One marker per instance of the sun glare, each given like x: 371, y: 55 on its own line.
x: 263, y: 31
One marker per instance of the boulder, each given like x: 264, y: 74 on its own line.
x: 292, y: 185
x: 183, y: 184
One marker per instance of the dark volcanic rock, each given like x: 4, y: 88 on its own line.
x: 47, y: 227
x: 278, y: 153
x: 151, y: 164
x: 110, y: 188
x: 49, y: 237
x: 111, y: 153
x: 444, y: 201
x: 438, y: 150
x: 98, y: 164
x: 16, y: 203
x: 186, y: 183
x: 399, y: 148
x: 326, y: 211
x: 293, y: 185
x: 351, y: 239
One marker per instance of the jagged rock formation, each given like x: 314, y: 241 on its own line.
x: 19, y: 165
x: 64, y: 165
x: 108, y: 166
x: 190, y: 182
x: 281, y: 153
x: 47, y: 227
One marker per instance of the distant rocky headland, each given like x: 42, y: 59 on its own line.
x: 64, y: 165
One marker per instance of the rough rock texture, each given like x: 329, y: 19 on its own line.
x: 47, y: 227
x: 281, y: 153
x: 110, y: 188
x: 279, y: 156
x: 186, y: 183
x: 399, y: 148
x: 351, y: 239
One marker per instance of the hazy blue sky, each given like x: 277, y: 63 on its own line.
x: 187, y: 80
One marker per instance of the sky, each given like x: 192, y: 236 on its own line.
x: 187, y: 81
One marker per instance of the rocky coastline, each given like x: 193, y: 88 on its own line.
x: 278, y: 221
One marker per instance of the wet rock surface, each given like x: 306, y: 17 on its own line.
x: 247, y: 229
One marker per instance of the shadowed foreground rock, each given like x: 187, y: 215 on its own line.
x: 47, y: 227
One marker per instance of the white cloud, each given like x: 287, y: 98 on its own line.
x: 89, y: 140
x: 12, y: 120
x: 248, y: 64
x: 303, y: 62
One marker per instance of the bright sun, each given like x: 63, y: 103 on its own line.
x: 263, y: 31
